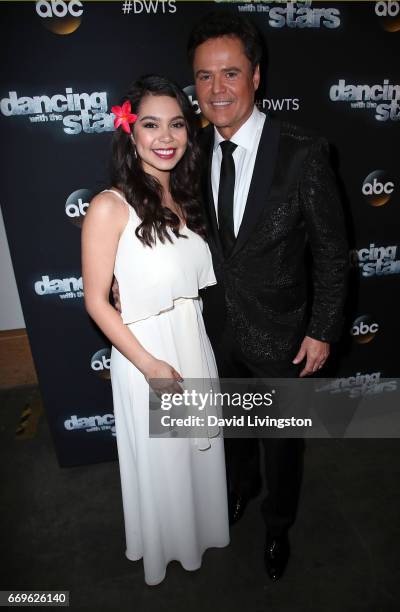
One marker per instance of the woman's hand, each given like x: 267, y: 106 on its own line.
x: 162, y: 377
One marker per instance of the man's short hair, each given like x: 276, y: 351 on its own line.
x: 224, y: 23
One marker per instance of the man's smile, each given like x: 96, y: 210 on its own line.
x: 220, y: 103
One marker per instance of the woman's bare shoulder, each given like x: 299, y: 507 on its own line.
x: 109, y: 207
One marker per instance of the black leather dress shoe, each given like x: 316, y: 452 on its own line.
x: 236, y: 507
x: 276, y: 555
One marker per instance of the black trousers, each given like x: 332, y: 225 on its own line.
x: 282, y: 457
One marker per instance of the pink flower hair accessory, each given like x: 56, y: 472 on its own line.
x: 124, y: 116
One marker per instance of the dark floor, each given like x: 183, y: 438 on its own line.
x: 63, y: 529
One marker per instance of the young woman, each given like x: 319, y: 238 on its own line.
x: 148, y: 231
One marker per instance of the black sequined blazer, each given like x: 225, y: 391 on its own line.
x: 268, y: 290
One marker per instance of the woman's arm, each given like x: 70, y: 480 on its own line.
x: 104, y: 222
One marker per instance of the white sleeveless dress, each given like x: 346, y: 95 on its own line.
x: 173, y: 490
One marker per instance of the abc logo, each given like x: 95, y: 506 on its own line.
x: 77, y: 205
x: 390, y: 13
x: 60, y: 16
x: 190, y: 91
x: 364, y: 329
x: 377, y: 188
x: 389, y: 8
x: 100, y: 363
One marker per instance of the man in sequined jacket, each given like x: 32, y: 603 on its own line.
x: 278, y: 199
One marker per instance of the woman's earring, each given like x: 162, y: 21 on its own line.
x: 134, y: 148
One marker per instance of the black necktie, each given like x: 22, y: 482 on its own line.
x: 225, y: 197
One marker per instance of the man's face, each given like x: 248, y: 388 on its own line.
x: 225, y: 83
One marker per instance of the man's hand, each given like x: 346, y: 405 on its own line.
x: 316, y: 353
x: 115, y: 294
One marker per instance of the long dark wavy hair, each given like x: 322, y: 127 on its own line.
x: 143, y: 191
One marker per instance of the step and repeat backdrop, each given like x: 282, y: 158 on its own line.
x: 332, y: 67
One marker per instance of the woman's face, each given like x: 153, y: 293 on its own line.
x: 160, y: 134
